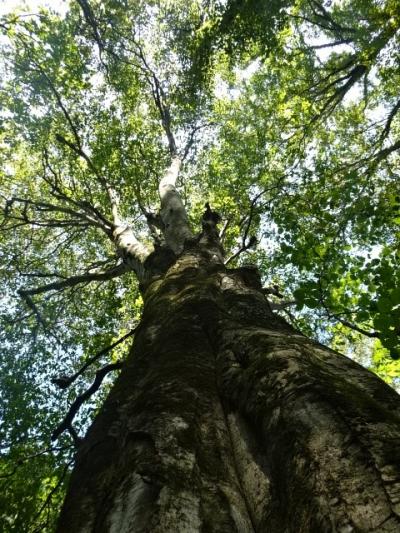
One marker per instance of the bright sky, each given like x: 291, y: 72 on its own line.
x: 6, y: 6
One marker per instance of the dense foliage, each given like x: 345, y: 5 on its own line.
x: 288, y: 114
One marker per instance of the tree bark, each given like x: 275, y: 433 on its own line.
x: 226, y: 419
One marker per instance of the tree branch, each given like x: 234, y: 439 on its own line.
x: 371, y: 334
x: 382, y: 154
x: 90, y: 19
x: 111, y: 192
x: 86, y: 206
x: 75, y: 280
x: 389, y: 120
x: 100, y: 375
x: 21, y: 460
x: 173, y: 212
x: 252, y: 242
x: 60, y: 103
x: 223, y: 231
x: 48, y: 207
x: 280, y: 306
x: 331, y: 45
x: 31, y: 304
x: 53, y: 490
x: 63, y: 382
x: 131, y: 250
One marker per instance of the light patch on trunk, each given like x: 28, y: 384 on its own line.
x: 179, y: 511
x: 151, y: 333
x: 346, y: 474
x: 254, y: 481
x: 178, y: 423
x: 133, y: 506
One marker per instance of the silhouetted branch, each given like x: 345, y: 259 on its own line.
x: 74, y: 435
x: 346, y: 323
x: 223, y: 231
x: 322, y: 14
x: 60, y: 103
x: 90, y: 19
x: 340, y: 92
x: 31, y: 304
x: 20, y: 461
x: 87, y: 207
x: 252, y: 242
x: 371, y: 334
x: 75, y: 280
x: 191, y: 138
x: 340, y: 42
x: 46, y: 207
x: 66, y: 424
x: 53, y: 490
x: 65, y: 381
x: 389, y: 120
x: 382, y: 154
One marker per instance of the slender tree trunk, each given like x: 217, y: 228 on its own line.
x: 225, y: 419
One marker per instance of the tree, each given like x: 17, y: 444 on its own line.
x: 150, y: 151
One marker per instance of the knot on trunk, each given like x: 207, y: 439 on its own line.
x: 250, y: 275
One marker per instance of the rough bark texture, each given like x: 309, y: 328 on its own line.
x: 225, y: 419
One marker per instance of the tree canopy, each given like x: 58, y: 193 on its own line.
x: 286, y: 117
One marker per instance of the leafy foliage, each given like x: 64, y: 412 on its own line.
x: 287, y: 115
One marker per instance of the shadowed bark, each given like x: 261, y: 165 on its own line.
x: 227, y: 419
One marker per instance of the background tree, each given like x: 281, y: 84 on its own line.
x: 104, y: 108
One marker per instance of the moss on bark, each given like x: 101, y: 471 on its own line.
x: 226, y: 419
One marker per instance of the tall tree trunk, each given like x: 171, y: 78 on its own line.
x: 226, y: 419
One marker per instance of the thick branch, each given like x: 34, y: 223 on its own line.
x: 168, y: 181
x: 173, y: 212
x: 174, y: 219
x: 132, y: 251
x: 90, y: 19
x: 280, y: 306
x: 224, y: 230
x: 382, y: 154
x: 210, y: 233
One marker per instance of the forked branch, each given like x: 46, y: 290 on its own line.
x: 244, y: 248
x: 66, y: 424
x: 63, y: 382
x: 75, y: 280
